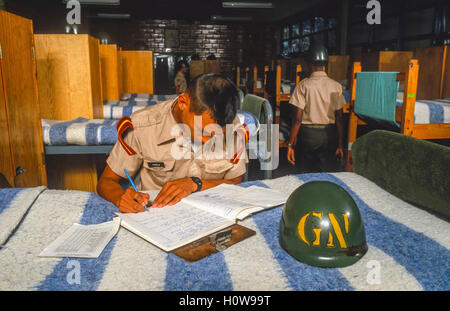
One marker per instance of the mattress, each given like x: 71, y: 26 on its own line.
x: 287, y: 87
x: 429, y: 111
x: 93, y: 132
x: 145, y: 97
x: 408, y: 249
x: 81, y: 131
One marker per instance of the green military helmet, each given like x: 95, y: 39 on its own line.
x: 321, y: 226
x: 318, y: 53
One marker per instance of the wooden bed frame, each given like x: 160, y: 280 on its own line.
x: 279, y: 97
x: 404, y: 114
x: 259, y: 91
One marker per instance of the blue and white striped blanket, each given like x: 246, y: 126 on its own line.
x: 429, y: 111
x: 287, y: 87
x: 145, y: 97
x: 81, y: 131
x: 129, y: 103
x: 408, y: 250
x: 93, y: 132
x: 14, y: 204
x: 118, y: 109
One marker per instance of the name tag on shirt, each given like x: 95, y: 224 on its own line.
x: 156, y: 164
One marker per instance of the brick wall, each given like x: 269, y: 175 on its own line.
x: 231, y: 44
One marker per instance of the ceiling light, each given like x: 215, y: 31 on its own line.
x: 248, y: 5
x: 97, y: 2
x: 231, y: 18
x: 113, y: 16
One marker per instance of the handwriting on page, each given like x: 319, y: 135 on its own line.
x: 171, y: 225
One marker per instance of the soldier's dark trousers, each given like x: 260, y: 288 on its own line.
x: 316, y: 148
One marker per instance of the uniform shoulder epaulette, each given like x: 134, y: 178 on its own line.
x: 244, y: 133
x: 123, y: 125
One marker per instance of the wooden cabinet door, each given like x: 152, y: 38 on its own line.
x: 20, y: 84
x: 137, y: 71
x: 6, y: 159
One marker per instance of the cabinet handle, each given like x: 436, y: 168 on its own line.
x: 20, y: 170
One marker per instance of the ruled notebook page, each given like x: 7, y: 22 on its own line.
x: 174, y: 226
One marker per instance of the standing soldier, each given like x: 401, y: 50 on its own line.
x: 318, y: 117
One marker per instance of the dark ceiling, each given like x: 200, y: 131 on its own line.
x: 201, y: 10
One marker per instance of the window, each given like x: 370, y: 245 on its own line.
x: 307, y: 28
x: 297, y: 38
x: 286, y: 33
x: 319, y: 24
x: 296, y: 30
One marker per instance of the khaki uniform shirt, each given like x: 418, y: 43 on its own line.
x: 180, y: 82
x: 155, y: 134
x: 319, y: 96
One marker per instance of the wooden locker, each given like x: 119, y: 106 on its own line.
x: 22, y: 150
x: 431, y: 62
x: 198, y: 67
x: 110, y: 71
x: 386, y: 61
x: 70, y: 86
x: 338, y: 67
x: 137, y: 71
x: 69, y: 76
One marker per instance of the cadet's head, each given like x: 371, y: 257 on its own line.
x: 215, y: 94
x: 213, y: 97
x: 318, y: 56
x: 182, y: 65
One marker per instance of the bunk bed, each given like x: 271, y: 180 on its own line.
x: 422, y: 119
x: 411, y: 244
x: 259, y: 82
x: 283, y: 91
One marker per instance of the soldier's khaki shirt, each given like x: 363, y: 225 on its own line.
x: 319, y: 96
x: 153, y: 141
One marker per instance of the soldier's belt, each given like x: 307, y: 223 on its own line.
x: 318, y: 126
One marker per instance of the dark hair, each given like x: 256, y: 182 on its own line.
x: 216, y: 93
x: 319, y: 63
x: 211, y: 57
x: 181, y: 64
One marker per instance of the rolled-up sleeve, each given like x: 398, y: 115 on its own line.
x: 119, y: 159
x: 337, y: 99
x: 298, y: 98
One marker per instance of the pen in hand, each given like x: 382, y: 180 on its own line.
x: 135, y: 188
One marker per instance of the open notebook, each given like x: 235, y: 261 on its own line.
x: 200, y: 214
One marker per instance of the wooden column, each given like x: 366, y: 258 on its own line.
x: 409, y: 98
x: 353, y: 120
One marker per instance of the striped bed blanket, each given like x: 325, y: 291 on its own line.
x: 287, y: 87
x: 145, y: 97
x: 94, y: 132
x: 129, y: 103
x: 118, y: 109
x: 429, y: 111
x: 408, y: 249
x: 81, y: 131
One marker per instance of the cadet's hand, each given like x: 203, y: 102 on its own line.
x: 340, y: 154
x: 173, y: 191
x: 291, y: 155
x: 132, y: 201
